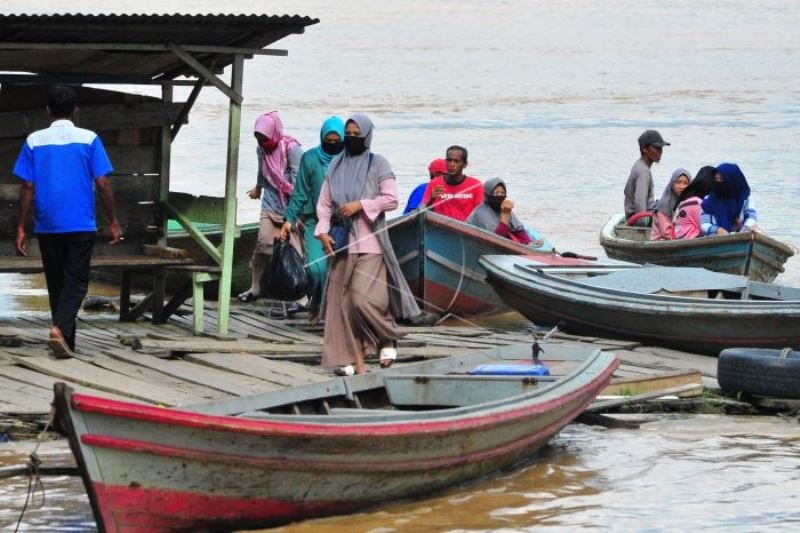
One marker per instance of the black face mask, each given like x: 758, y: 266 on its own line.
x: 333, y: 148
x: 496, y: 201
x: 354, y: 145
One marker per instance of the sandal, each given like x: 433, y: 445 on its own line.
x: 348, y: 370
x: 59, y: 348
x: 387, y: 357
x: 247, y: 296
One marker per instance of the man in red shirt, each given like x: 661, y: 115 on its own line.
x: 454, y: 194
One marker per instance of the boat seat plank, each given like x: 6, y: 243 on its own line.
x: 654, y: 279
x: 235, y: 384
x: 352, y: 411
x: 278, y: 372
x: 101, y: 379
x: 253, y: 404
x: 458, y: 390
x: 769, y: 291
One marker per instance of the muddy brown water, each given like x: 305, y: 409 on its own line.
x: 674, y: 473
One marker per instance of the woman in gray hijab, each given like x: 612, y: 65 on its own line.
x: 366, y: 290
x: 495, y: 214
x: 663, y: 228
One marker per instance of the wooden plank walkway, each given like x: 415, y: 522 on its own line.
x: 166, y: 365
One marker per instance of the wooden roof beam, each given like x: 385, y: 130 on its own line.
x: 125, y: 47
x: 82, y: 79
x: 203, y: 71
x: 187, y: 106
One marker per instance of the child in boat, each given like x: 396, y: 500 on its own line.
x: 495, y: 215
x: 687, y: 214
x: 665, y: 207
x: 729, y: 208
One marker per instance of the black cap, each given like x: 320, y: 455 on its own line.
x: 652, y: 137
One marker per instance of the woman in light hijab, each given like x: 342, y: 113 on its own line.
x: 663, y: 229
x: 278, y: 161
x: 687, y: 215
x: 495, y: 215
x: 366, y: 290
x: 729, y: 208
x: 301, y: 213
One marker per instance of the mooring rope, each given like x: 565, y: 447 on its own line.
x: 34, y: 478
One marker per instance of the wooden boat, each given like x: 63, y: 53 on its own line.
x: 751, y: 254
x: 692, y: 309
x: 321, y: 449
x: 438, y: 255
x: 439, y: 258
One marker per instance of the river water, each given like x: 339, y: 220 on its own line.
x: 551, y: 96
x: 675, y: 473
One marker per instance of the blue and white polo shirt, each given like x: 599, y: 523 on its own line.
x: 63, y: 162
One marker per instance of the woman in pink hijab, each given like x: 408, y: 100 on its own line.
x: 278, y: 161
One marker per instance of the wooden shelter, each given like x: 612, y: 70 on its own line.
x: 165, y: 50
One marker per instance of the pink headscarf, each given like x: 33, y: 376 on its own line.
x: 273, y: 164
x: 687, y: 219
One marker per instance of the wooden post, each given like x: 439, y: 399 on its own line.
x: 159, y: 280
x: 197, y: 303
x: 166, y: 146
x: 231, y: 174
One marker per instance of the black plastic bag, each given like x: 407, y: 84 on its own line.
x: 285, y: 277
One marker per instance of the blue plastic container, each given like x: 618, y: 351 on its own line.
x: 510, y: 370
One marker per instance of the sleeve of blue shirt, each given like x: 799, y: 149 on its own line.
x: 415, y: 198
x: 23, y: 168
x: 99, y: 163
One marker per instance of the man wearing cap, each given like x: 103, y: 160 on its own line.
x: 436, y: 169
x: 639, y: 189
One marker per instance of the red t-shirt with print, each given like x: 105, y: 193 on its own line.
x: 457, y: 201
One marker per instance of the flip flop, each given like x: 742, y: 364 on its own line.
x: 348, y: 370
x: 59, y: 348
x: 387, y: 357
x: 247, y: 296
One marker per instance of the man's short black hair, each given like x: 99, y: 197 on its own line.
x: 62, y: 101
x: 460, y: 148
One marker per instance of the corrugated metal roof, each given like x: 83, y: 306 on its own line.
x: 252, y: 32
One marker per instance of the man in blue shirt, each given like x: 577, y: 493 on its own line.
x: 60, y: 167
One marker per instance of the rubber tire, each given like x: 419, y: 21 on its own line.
x: 759, y: 372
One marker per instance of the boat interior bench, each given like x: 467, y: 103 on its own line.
x: 458, y: 390
x: 155, y: 263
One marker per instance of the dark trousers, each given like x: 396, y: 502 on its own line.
x: 66, y: 258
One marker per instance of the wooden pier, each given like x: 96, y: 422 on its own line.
x: 166, y: 365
